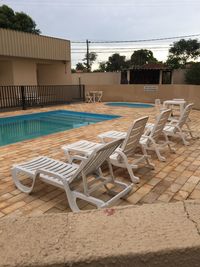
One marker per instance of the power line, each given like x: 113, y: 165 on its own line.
x: 107, y: 52
x: 118, y: 48
x: 141, y: 40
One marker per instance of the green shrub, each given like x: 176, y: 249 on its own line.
x: 192, y: 76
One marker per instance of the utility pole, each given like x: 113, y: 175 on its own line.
x: 87, y: 56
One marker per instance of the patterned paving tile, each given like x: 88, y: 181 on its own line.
x: 176, y: 179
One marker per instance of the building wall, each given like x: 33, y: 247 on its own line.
x: 6, y: 73
x: 98, y: 78
x: 131, y: 93
x: 27, y: 45
x: 54, y: 74
x: 24, y: 58
x: 106, y: 78
x: 179, y: 76
x: 24, y: 72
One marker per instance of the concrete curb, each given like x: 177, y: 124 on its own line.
x: 148, y: 235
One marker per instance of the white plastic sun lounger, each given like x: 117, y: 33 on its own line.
x: 176, y: 128
x: 62, y: 175
x: 150, y: 139
x: 120, y: 157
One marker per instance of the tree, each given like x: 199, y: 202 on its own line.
x: 25, y: 23
x: 92, y: 58
x: 73, y: 70
x: 6, y: 17
x: 192, y: 75
x: 16, y: 21
x: 183, y: 51
x: 81, y: 67
x: 102, y: 67
x: 116, y: 63
x: 141, y: 57
x: 173, y: 62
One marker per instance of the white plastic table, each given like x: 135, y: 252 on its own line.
x: 180, y: 103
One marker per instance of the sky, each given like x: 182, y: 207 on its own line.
x: 113, y: 20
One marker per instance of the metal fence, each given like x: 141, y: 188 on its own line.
x: 42, y: 95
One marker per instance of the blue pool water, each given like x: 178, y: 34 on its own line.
x: 19, y: 128
x: 129, y: 105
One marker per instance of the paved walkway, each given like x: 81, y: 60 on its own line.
x: 176, y: 179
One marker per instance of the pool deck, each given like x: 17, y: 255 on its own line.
x: 177, y: 179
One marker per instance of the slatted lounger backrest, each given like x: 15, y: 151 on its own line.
x: 96, y: 159
x: 133, y: 135
x: 184, y: 116
x: 160, y: 124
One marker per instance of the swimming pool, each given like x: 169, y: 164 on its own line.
x: 18, y: 128
x: 129, y: 105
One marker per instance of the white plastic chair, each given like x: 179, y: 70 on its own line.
x: 99, y: 96
x: 151, y: 139
x: 176, y: 128
x: 88, y: 97
x: 120, y: 157
x: 62, y: 175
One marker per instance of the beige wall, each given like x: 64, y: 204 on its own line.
x: 108, y: 78
x: 97, y: 78
x: 54, y: 74
x: 24, y: 72
x: 131, y: 93
x: 179, y: 76
x: 27, y: 45
x: 6, y: 73
x: 34, y: 72
x: 24, y: 58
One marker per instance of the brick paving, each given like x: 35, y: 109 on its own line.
x: 176, y: 179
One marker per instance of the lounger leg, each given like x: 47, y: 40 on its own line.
x: 113, y: 181
x: 151, y: 165
x: 19, y: 185
x: 157, y: 151
x: 129, y: 167
x: 71, y: 197
x: 134, y: 178
x: 172, y: 149
x: 189, y: 130
x: 68, y: 156
x: 155, y: 147
x: 161, y: 158
x: 185, y: 142
x: 111, y: 170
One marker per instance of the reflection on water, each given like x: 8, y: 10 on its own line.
x: 15, y: 129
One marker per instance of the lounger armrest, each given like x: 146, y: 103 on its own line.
x: 120, y: 153
x: 123, y: 156
x: 172, y: 122
x: 50, y: 173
